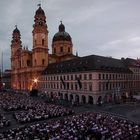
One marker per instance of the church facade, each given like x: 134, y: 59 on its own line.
x: 27, y: 65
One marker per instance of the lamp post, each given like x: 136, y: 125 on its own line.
x: 35, y: 81
x: 3, y: 85
x: 34, y: 91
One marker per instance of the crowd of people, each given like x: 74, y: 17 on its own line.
x: 41, y: 111
x: 14, y: 102
x: 86, y: 126
x: 3, y: 122
x: 26, y: 109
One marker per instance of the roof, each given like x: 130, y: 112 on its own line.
x: 62, y: 56
x: 40, y: 11
x: 132, y: 62
x: 61, y: 35
x: 16, y: 30
x: 87, y: 63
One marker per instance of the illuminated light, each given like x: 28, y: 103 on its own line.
x: 35, y: 80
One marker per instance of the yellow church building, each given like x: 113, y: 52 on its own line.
x: 27, y: 65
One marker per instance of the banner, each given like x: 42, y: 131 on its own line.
x: 79, y: 82
x: 63, y: 82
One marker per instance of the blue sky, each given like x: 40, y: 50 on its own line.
x: 101, y: 27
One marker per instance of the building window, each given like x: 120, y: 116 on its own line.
x: 76, y: 87
x: 67, y: 77
x: 71, y: 77
x: 43, y: 41
x: 85, y: 77
x: 90, y: 76
x: 54, y: 50
x: 99, y: 86
x: 71, y: 86
x: 110, y: 77
x: 35, y: 62
x: 75, y: 77
x: 68, y: 49
x: 99, y: 76
x: 116, y: 76
x: 113, y: 77
x: 35, y: 42
x: 67, y: 85
x: 106, y: 76
x: 85, y: 86
x: 43, y: 61
x: 28, y: 63
x: 61, y: 49
x: 103, y: 77
x: 90, y: 86
x: 61, y: 87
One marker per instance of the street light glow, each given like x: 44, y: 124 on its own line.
x: 35, y: 80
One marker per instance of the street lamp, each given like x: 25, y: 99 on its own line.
x: 35, y: 80
x: 34, y: 90
x: 3, y: 85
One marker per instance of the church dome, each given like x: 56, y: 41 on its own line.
x: 40, y: 11
x: 61, y: 35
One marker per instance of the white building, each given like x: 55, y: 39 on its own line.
x: 87, y: 79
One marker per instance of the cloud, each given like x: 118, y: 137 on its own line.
x: 109, y: 27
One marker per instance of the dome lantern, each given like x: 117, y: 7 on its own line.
x: 40, y: 11
x: 62, y: 35
x: 16, y: 30
x: 61, y: 27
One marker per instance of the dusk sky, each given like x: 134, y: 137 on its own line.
x: 101, y: 27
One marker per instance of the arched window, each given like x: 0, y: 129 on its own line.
x: 42, y: 41
x: 61, y: 49
x: 43, y: 61
x: 68, y: 49
x: 28, y: 63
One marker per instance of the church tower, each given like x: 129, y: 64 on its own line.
x: 15, y: 49
x: 40, y: 39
